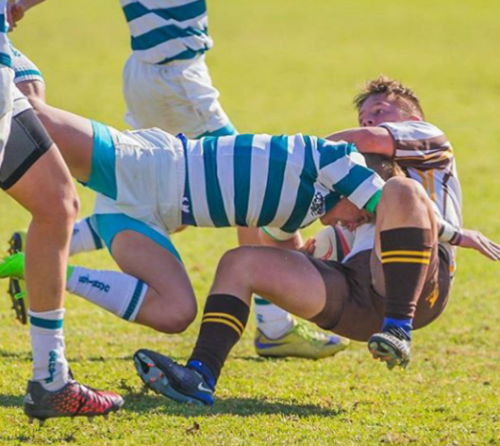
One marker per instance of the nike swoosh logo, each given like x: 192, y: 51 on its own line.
x: 269, y: 345
x: 203, y: 388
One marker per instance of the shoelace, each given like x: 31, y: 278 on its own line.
x: 309, y: 333
x: 86, y: 395
x: 398, y: 332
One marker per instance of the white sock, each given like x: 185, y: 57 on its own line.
x: 273, y: 321
x: 47, y: 342
x: 116, y: 292
x: 84, y: 238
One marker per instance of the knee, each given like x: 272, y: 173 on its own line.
x: 403, y: 194
x: 237, y: 262
x: 176, y: 318
x: 62, y: 207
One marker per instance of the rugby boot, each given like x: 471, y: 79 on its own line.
x: 301, y: 341
x: 17, y: 288
x: 73, y: 400
x: 179, y: 383
x: 391, y: 346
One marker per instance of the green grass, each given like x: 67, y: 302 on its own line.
x: 288, y: 66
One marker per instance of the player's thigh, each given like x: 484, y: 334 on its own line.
x: 286, y: 278
x: 33, y: 171
x: 73, y: 135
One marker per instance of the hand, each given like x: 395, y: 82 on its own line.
x: 15, y: 12
x: 476, y: 240
x: 308, y: 246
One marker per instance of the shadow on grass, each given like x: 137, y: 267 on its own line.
x: 143, y: 402
x: 21, y: 356
x: 11, y: 400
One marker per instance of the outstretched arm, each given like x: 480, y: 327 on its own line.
x: 367, y: 139
x: 469, y: 238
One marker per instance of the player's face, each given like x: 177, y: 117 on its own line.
x: 380, y: 108
x: 347, y: 214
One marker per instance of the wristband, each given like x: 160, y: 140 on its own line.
x: 456, y: 240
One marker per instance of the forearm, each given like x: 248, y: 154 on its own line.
x: 367, y: 139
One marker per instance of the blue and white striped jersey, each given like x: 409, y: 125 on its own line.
x: 5, y: 58
x: 166, y: 30
x: 283, y: 182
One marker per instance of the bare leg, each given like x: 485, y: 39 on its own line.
x: 73, y: 136
x: 169, y: 305
x: 48, y: 193
x: 406, y: 235
x: 283, y: 277
x: 404, y: 203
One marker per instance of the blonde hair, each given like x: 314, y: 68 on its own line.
x: 408, y: 100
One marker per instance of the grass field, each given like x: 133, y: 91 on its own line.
x: 287, y: 66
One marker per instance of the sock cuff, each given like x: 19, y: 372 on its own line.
x: 129, y: 313
x: 99, y: 244
x: 406, y: 238
x: 51, y: 320
x: 227, y: 310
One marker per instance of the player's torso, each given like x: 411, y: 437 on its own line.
x: 253, y: 180
x: 166, y: 30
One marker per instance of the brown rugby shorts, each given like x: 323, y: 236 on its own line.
x: 355, y: 310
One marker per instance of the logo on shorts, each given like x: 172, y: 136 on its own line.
x: 186, y: 205
x: 318, y: 205
x: 432, y: 298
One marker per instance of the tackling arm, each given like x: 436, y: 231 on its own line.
x: 367, y: 139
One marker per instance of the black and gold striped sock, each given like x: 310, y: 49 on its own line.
x: 406, y: 254
x: 223, y: 323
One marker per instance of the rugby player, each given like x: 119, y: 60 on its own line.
x: 150, y: 183
x: 396, y: 278
x: 166, y: 84
x: 33, y: 173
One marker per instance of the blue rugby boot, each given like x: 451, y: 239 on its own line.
x: 179, y: 383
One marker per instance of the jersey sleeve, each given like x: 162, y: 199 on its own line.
x: 420, y: 145
x: 342, y: 169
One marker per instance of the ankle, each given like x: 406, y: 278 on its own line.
x: 204, y: 371
x: 403, y: 325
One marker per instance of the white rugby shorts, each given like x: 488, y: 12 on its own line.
x: 177, y: 97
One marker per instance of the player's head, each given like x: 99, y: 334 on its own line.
x: 386, y: 100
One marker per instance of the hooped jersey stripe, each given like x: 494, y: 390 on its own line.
x: 306, y: 190
x: 163, y: 31
x: 274, y: 181
x: 242, y: 167
x: 213, y: 190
